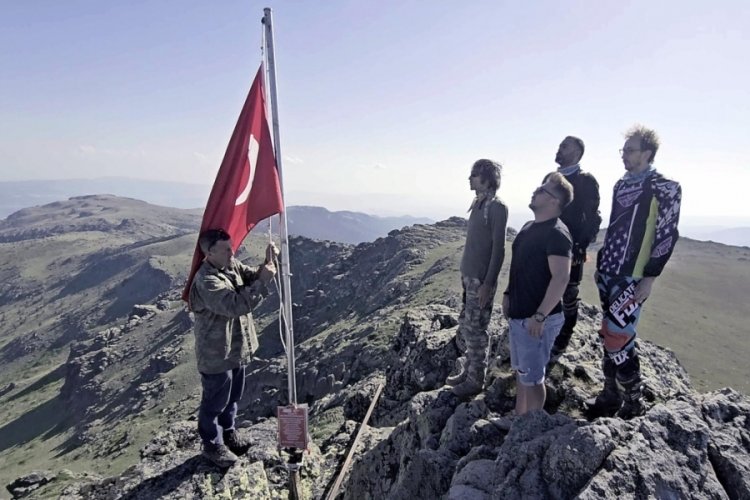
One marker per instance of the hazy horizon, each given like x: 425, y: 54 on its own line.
x: 193, y: 196
x: 384, y: 104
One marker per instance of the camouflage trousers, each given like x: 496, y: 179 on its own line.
x: 472, y: 337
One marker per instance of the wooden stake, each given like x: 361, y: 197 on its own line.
x: 347, y: 462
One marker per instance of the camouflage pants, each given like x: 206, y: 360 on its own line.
x: 472, y: 337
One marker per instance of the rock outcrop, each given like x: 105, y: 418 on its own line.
x: 376, y: 313
x: 424, y: 443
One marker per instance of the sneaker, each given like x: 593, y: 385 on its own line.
x: 236, y: 441
x: 467, y: 388
x: 219, y: 455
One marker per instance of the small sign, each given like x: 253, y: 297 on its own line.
x: 292, y: 426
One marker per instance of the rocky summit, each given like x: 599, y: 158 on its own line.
x: 100, y: 402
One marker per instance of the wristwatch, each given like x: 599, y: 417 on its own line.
x: 539, y: 317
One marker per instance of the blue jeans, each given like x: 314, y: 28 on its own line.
x: 221, y: 392
x: 529, y: 355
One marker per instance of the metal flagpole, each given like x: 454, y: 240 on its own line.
x: 294, y: 461
x: 285, y: 271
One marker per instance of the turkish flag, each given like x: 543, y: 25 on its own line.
x: 247, y: 188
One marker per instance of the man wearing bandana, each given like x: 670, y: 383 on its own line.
x: 582, y: 219
x: 641, y: 236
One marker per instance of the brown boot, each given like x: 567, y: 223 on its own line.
x: 237, y: 442
x: 219, y: 455
x: 460, y: 375
x: 468, y: 388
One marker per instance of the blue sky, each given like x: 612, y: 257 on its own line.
x: 383, y: 105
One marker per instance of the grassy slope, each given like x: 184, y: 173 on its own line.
x: 697, y: 310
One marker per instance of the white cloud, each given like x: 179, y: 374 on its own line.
x: 293, y: 159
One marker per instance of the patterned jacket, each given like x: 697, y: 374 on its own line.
x: 642, y: 230
x: 222, y: 301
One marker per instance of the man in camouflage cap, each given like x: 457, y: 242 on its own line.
x: 222, y: 296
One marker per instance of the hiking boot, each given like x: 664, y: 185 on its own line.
x: 467, y: 388
x: 237, y: 442
x: 461, y: 372
x: 631, y: 409
x: 561, y: 344
x: 503, y: 423
x: 606, y: 403
x: 632, y: 405
x: 554, y: 354
x: 219, y: 455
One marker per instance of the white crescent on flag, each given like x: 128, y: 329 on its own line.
x: 252, y: 156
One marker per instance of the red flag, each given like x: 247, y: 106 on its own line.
x: 246, y: 189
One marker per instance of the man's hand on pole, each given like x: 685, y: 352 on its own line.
x: 272, y: 253
x: 267, y: 272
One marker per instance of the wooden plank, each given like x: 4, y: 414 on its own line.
x: 334, y: 491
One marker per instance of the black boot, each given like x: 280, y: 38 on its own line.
x: 570, y: 303
x: 608, y: 401
x: 631, y: 386
x: 632, y: 405
x: 561, y: 343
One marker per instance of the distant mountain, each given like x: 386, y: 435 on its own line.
x: 347, y: 227
x: 16, y: 195
x: 738, y: 236
x: 313, y: 222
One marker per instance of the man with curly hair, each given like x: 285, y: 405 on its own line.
x: 641, y: 236
x: 482, y: 259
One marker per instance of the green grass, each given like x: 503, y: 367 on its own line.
x: 697, y: 309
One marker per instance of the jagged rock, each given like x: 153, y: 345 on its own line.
x: 165, y: 360
x: 171, y: 466
x: 143, y: 310
x: 7, y: 388
x: 25, y: 485
x: 426, y: 355
x: 727, y: 414
x: 679, y: 449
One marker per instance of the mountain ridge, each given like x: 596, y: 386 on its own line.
x: 98, y: 382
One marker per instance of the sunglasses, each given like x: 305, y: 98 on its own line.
x: 545, y: 190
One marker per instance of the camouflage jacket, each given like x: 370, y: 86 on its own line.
x: 222, y: 301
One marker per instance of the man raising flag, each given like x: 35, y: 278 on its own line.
x: 223, y: 291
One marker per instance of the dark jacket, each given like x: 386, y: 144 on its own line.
x: 582, y: 215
